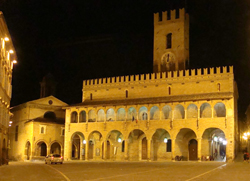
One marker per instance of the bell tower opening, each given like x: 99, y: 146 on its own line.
x: 171, y: 40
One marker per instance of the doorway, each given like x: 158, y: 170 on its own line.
x: 192, y: 147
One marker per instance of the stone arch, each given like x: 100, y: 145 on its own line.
x: 121, y: 114
x: 49, y: 115
x: 179, y: 112
x: 132, y: 114
x: 137, y: 147
x: 192, y: 111
x: 154, y: 113
x: 95, y: 140
x: 143, y: 113
x: 76, y: 141
x: 220, y: 110
x: 114, y: 149
x: 100, y: 115
x: 161, y: 145
x: 182, y: 142
x: 82, y: 116
x: 110, y: 114
x: 91, y: 116
x: 205, y: 110
x: 166, y: 112
x: 74, y: 117
x: 27, y: 152
x: 213, y: 144
x: 55, y: 148
x: 41, y: 148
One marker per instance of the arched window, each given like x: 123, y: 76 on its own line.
x: 110, y: 114
x: 154, y: 113
x: 132, y: 116
x: 192, y: 111
x: 218, y: 87
x: 42, y: 130
x: 143, y: 113
x: 126, y: 93
x: 219, y: 110
x: 74, y: 118
x: 179, y: 112
x: 169, y: 90
x: 169, y: 41
x: 205, y: 111
x: 166, y: 112
x: 82, y: 118
x: 121, y: 114
x: 100, y: 115
x: 91, y: 116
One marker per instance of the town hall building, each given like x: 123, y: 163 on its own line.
x: 171, y: 114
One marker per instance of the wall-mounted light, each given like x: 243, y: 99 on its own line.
x: 224, y: 142
x: 11, y: 51
x: 84, y: 142
x: 220, y: 139
x: 215, y: 138
x: 119, y: 140
x: 6, y: 39
x: 165, y: 140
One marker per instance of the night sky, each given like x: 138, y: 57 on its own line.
x: 88, y: 39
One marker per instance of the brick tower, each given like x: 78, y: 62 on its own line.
x: 171, y: 40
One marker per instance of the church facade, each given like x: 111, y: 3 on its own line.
x: 171, y: 114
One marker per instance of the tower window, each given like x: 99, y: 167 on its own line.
x: 160, y: 16
x: 42, y: 129
x: 169, y: 41
x: 177, y: 14
x: 168, y: 15
x: 218, y: 87
x: 91, y: 97
x: 169, y: 91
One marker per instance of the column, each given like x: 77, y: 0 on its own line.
x: 81, y: 147
x: 199, y: 149
x: 149, y: 149
x: 212, y: 112
x: 185, y: 114
x: 87, y: 150
x: 199, y: 116
x: 126, y: 149
x: 105, y: 150
x: 173, y: 150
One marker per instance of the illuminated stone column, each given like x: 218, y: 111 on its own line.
x: 126, y: 149
x: 149, y: 149
x: 173, y: 150
x: 105, y: 149
x: 199, y: 148
x: 87, y: 150
x: 81, y: 149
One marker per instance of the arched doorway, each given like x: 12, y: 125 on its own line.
x: 28, y: 150
x: 144, y: 149
x: 55, y: 148
x: 41, y: 149
x: 75, y: 153
x: 114, y: 146
x: 95, y: 145
x: 192, y: 148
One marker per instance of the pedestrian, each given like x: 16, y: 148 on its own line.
x: 247, y: 157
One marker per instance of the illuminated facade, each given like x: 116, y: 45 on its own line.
x: 171, y: 114
x: 8, y: 57
x: 37, y: 129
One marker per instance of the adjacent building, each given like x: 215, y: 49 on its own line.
x: 171, y: 114
x: 7, y: 60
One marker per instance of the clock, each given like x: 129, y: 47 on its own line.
x: 167, y: 58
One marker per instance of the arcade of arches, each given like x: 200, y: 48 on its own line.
x: 161, y: 144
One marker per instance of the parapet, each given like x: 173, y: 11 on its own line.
x: 170, y: 15
x: 162, y: 75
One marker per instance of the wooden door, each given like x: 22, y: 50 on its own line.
x: 192, y: 149
x: 91, y: 149
x: 144, y: 149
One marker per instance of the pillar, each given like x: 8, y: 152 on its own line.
x: 199, y: 148
x: 81, y: 147
x: 105, y: 150
x: 199, y: 114
x: 173, y: 150
x: 87, y: 150
x: 126, y: 149
x: 149, y: 149
x: 185, y: 114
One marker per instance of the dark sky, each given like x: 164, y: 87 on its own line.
x: 87, y: 39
